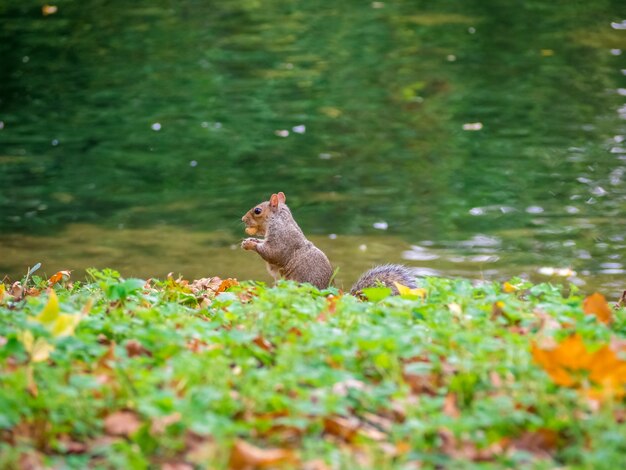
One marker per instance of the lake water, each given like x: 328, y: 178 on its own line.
x: 483, y: 139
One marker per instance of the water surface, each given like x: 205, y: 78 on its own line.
x: 476, y: 138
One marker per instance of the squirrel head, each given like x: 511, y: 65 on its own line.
x: 256, y: 218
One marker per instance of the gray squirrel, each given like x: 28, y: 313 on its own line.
x: 289, y: 255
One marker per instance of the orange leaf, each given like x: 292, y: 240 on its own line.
x: 596, y: 305
x: 226, y: 284
x: 570, y: 361
x: 345, y: 428
x: 263, y: 343
x: 245, y: 456
x: 58, y: 277
x: 449, y: 406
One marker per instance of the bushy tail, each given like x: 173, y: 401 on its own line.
x: 387, y: 275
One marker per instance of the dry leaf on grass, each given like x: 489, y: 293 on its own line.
x: 541, y: 443
x: 570, y: 364
x: 245, y: 456
x: 121, y: 423
x: 344, y: 428
x: 596, y: 304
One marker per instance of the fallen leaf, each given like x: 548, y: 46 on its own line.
x: 121, y: 423
x: 31, y: 385
x: 344, y: 428
x: 31, y: 460
x: 59, y: 324
x: 316, y: 464
x: 507, y: 287
x: 135, y: 348
x: 541, y: 443
x: 570, y: 364
x: 70, y: 446
x: 38, y: 350
x: 176, y: 466
x: 16, y: 290
x: 263, y: 344
x: 226, y: 284
x: 59, y: 276
x: 467, y: 450
x: 450, y: 407
x: 159, y: 425
x: 245, y: 456
x: 596, y: 304
x: 422, y: 383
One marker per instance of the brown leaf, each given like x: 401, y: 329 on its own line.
x: 159, y: 425
x: 135, y: 348
x: 176, y: 466
x: 16, y: 290
x: 31, y: 384
x: 263, y: 343
x: 541, y: 443
x: 370, y: 432
x: 31, y: 460
x: 450, y: 407
x: 121, y: 423
x: 70, y: 446
x: 467, y: 450
x: 422, y: 383
x: 596, y: 304
x: 316, y: 464
x: 344, y: 428
x: 245, y: 456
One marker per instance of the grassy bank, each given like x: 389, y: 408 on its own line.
x: 114, y: 373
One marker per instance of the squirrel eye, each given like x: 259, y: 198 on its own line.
x: 257, y: 210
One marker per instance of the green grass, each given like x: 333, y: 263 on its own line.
x: 444, y: 381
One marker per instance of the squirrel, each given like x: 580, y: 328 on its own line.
x: 289, y: 255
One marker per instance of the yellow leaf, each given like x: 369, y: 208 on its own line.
x: 51, y: 311
x: 27, y: 339
x: 2, y: 291
x: 407, y: 292
x: 65, y: 324
x: 38, y: 350
x: 507, y: 287
x: 41, y: 350
x: 60, y: 324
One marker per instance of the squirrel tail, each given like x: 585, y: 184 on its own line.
x: 387, y: 275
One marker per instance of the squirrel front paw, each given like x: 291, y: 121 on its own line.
x: 249, y: 243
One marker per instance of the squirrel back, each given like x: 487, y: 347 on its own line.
x: 289, y: 255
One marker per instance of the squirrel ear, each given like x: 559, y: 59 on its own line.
x: 281, y: 197
x: 274, y: 201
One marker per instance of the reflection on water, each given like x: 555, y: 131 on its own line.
x: 479, y: 138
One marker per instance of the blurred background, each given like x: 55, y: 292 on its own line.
x: 475, y: 138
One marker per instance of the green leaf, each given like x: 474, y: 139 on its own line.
x: 375, y: 294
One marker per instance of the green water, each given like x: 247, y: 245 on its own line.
x: 478, y: 138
